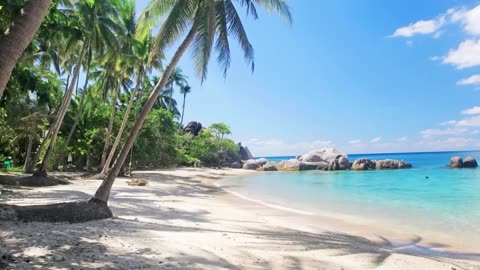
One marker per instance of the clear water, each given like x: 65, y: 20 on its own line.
x: 448, y: 201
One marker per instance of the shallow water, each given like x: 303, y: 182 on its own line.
x: 446, y: 202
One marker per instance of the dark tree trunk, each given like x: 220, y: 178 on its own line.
x: 19, y: 36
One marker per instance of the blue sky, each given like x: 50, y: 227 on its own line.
x: 363, y: 76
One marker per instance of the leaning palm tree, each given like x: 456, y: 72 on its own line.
x: 204, y: 21
x: 19, y: 36
x: 184, y: 90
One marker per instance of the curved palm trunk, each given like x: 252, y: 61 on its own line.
x: 109, y: 128
x: 42, y: 171
x: 19, y: 36
x: 122, y: 127
x: 61, y: 157
x: 183, y: 109
x: 103, y: 192
x: 31, y: 167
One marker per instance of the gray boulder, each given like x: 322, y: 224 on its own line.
x: 289, y: 165
x: 363, y: 164
x: 325, y: 154
x: 253, y: 164
x: 470, y: 162
x: 193, y: 127
x: 391, y: 164
x: 236, y: 165
x: 456, y: 162
x: 325, y: 159
x: 245, y: 153
x: 268, y: 167
x: 320, y: 165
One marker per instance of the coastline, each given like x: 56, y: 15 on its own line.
x: 182, y: 220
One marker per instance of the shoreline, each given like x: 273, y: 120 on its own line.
x: 183, y: 221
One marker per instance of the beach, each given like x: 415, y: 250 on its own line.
x: 183, y: 220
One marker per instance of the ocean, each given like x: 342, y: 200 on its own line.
x: 430, y: 197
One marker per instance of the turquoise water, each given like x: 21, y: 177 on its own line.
x: 448, y: 201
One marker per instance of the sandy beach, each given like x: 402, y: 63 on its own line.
x: 182, y: 220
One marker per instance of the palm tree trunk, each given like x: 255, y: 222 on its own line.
x: 122, y: 126
x: 109, y: 128
x: 31, y: 167
x: 29, y: 153
x: 103, y: 192
x: 18, y: 37
x: 77, y: 117
x: 183, y: 109
x: 42, y: 171
x: 170, y: 97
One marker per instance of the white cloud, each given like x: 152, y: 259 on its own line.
x: 402, y: 139
x: 475, y: 79
x: 473, y: 110
x: 428, y: 133
x: 376, y: 140
x: 278, y: 147
x: 450, y: 143
x: 421, y: 27
x: 470, y: 122
x: 448, y: 123
x: 470, y: 19
x: 356, y: 141
x: 466, y: 55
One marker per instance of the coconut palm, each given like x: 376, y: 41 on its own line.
x: 178, y: 79
x: 204, y: 21
x: 98, y: 21
x: 19, y: 36
x: 184, y: 90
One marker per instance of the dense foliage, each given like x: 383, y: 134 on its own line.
x: 117, y: 67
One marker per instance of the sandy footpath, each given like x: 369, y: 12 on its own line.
x: 181, y: 221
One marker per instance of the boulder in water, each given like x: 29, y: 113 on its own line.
x: 470, y: 162
x: 363, y: 164
x: 456, y: 162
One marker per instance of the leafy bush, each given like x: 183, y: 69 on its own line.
x: 156, y: 143
x: 208, y: 147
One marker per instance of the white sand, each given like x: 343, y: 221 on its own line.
x: 182, y: 221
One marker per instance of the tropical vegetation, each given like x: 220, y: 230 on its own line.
x: 90, y: 86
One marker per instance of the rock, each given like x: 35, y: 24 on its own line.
x: 456, y: 162
x: 268, y: 167
x: 245, y: 153
x: 391, y: 164
x: 470, y: 162
x: 253, y: 164
x: 236, y: 165
x: 325, y: 154
x: 343, y: 163
x: 289, y: 165
x: 193, y: 128
x: 363, y: 164
x: 321, y: 165
x: 325, y: 159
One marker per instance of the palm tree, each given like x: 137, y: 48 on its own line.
x: 185, y: 89
x: 142, y: 52
x: 19, y: 36
x: 98, y: 20
x: 176, y: 78
x: 207, y: 20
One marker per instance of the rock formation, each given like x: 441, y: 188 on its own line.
x: 456, y: 162
x: 470, y: 162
